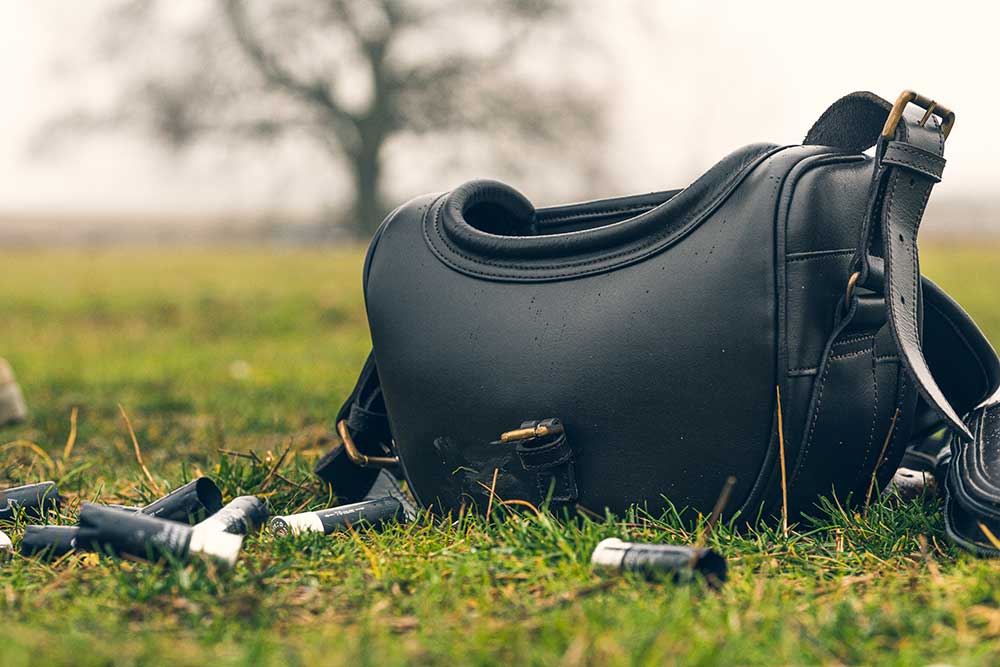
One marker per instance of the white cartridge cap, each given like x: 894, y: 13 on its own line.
x: 293, y: 524
x: 5, y: 543
x: 223, y: 547
x: 609, y: 553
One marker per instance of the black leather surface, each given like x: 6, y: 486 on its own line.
x: 651, y: 365
x: 655, y: 338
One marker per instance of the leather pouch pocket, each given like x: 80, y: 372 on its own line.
x: 972, y: 485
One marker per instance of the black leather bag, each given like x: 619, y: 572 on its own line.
x: 642, y: 350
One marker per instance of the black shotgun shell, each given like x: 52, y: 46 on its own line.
x: 136, y: 534
x: 190, y: 503
x: 374, y: 513
x: 658, y: 560
x: 34, y: 499
x: 48, y: 541
x: 196, y: 500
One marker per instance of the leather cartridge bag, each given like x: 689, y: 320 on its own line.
x: 641, y: 350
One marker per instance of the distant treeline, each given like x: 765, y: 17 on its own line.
x: 948, y: 220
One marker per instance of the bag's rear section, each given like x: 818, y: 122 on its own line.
x: 847, y: 406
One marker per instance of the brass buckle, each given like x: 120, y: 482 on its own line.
x: 355, y: 455
x: 930, y: 108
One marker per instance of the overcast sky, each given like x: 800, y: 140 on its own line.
x: 690, y: 81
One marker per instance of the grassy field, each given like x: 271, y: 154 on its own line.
x: 253, y: 350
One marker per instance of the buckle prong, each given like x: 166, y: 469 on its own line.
x: 927, y: 114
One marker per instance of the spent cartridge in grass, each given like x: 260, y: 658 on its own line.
x: 136, y: 534
x: 659, y: 560
x: 190, y: 503
x: 194, y: 500
x: 375, y: 513
x: 33, y: 499
x: 50, y: 541
x: 241, y: 516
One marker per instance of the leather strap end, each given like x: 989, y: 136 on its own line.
x: 853, y: 123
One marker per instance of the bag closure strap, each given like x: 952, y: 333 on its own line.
x: 909, y: 161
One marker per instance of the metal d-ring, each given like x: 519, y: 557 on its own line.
x: 852, y: 282
x: 355, y: 455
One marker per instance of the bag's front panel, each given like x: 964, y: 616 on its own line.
x: 662, y: 371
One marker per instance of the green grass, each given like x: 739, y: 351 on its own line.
x: 253, y: 350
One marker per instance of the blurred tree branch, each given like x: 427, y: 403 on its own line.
x: 259, y: 70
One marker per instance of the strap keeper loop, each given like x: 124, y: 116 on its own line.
x: 907, y: 156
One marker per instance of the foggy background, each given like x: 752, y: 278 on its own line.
x: 665, y: 89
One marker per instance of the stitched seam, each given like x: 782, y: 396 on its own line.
x: 825, y: 255
x: 916, y: 261
x: 849, y: 355
x: 933, y: 162
x: 685, y: 221
x: 889, y: 253
x: 804, y: 456
x: 934, y: 172
x: 894, y: 357
x: 596, y: 214
x: 901, y: 391
x: 857, y: 338
x: 871, y: 430
x: 803, y: 369
x: 683, y: 227
x: 922, y: 166
x: 913, y: 150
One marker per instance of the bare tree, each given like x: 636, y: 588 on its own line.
x: 354, y: 74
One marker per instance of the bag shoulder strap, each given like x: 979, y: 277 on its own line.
x: 909, y: 161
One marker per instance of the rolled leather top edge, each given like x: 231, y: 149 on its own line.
x: 677, y: 210
x: 485, y: 191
